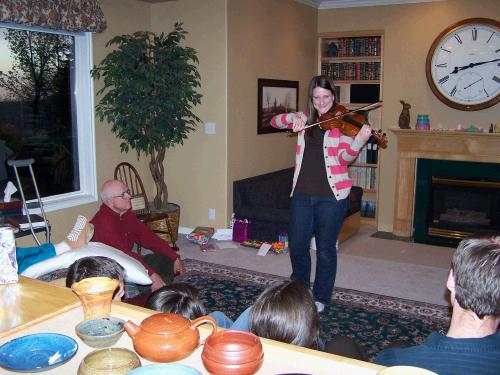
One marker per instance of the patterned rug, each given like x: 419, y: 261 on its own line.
x: 372, y: 320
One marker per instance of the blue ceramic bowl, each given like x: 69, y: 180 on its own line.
x: 38, y: 352
x: 165, y: 368
x: 101, y: 332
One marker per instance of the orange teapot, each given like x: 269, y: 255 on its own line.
x: 167, y: 337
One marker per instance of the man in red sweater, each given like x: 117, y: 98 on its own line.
x: 116, y: 225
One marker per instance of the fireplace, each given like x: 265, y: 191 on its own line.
x: 455, y: 199
x: 445, y: 146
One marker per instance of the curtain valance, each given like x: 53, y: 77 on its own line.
x: 69, y: 15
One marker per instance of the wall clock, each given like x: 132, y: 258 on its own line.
x: 463, y: 64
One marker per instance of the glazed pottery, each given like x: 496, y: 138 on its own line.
x: 165, y: 368
x: 110, y: 361
x: 101, y: 332
x: 166, y: 337
x: 96, y: 294
x: 232, y: 353
x: 37, y: 352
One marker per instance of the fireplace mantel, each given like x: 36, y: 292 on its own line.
x: 442, y: 145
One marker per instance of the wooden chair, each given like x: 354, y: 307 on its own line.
x: 126, y: 173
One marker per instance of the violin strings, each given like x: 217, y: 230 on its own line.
x: 368, y: 106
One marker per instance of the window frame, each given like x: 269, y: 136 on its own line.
x: 83, y: 100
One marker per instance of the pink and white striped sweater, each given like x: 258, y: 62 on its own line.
x: 339, y: 150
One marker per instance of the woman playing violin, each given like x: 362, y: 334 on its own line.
x: 320, y: 190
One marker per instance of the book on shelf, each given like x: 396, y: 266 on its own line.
x: 353, y: 46
x: 21, y: 221
x: 368, y: 208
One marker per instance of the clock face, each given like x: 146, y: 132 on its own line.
x: 463, y: 65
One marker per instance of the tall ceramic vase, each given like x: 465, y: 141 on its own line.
x: 96, y: 295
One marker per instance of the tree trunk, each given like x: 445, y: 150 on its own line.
x: 158, y: 173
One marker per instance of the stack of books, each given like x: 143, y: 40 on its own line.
x: 14, y: 207
x: 21, y: 221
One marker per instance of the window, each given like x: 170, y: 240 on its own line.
x: 46, y: 113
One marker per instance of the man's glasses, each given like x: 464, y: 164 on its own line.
x: 122, y: 195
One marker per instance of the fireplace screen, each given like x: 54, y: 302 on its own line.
x: 459, y: 208
x: 455, y: 199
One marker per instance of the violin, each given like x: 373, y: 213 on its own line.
x: 348, y: 122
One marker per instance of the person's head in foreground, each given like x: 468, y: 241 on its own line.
x: 97, y: 266
x: 177, y: 298
x: 474, y: 279
x: 286, y: 312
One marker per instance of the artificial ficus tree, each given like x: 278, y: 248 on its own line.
x: 150, y: 89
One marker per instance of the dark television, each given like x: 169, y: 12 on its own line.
x: 365, y: 93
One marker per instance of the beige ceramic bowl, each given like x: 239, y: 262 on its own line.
x: 110, y: 361
x: 405, y: 370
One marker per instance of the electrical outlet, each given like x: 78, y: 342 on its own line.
x: 211, y: 214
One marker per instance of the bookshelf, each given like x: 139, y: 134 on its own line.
x: 354, y: 60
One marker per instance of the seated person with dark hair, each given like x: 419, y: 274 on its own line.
x: 472, y: 343
x: 286, y: 312
x: 97, y: 266
x: 183, y: 299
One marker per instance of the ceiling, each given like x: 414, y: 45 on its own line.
x: 330, y: 4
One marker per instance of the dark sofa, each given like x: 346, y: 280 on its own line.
x: 265, y: 199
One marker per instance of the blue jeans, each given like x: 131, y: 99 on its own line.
x: 321, y: 216
x: 27, y: 256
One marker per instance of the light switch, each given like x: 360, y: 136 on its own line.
x: 209, y: 127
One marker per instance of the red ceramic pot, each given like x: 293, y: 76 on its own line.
x: 232, y: 353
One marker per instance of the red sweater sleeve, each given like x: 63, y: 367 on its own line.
x: 145, y: 237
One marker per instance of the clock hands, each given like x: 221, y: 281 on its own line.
x: 470, y: 84
x: 471, y: 65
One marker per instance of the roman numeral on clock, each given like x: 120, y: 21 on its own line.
x: 452, y: 93
x: 491, y: 36
x: 444, y: 79
x: 486, y: 92
x: 442, y: 65
x: 474, y: 34
x: 457, y: 37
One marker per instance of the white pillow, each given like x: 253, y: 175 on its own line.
x: 136, y: 272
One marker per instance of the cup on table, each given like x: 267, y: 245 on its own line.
x: 96, y: 295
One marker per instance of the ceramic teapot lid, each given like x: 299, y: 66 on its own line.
x: 165, y: 324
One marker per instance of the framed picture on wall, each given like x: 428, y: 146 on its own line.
x: 275, y: 97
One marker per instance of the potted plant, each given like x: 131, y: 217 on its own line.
x: 149, y: 92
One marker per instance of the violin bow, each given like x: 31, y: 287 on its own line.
x: 365, y: 107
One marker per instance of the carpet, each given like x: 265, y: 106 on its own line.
x: 372, y: 320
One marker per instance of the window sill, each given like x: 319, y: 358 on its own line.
x: 59, y: 202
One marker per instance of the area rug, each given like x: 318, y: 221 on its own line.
x: 372, y: 320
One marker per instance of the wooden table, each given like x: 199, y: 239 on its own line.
x: 57, y: 310
x: 30, y: 302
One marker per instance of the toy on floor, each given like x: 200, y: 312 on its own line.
x: 276, y: 247
x: 252, y: 243
x: 201, y: 236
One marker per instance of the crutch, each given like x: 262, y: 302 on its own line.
x: 30, y: 205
